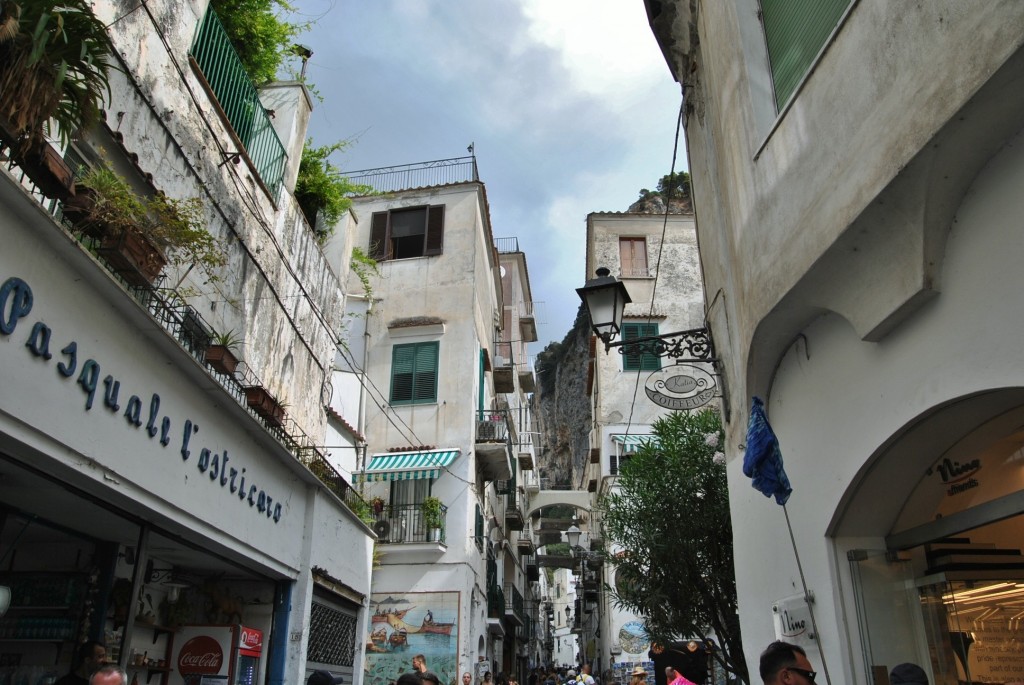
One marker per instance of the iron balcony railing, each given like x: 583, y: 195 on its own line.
x: 240, y: 100
x: 492, y: 426
x: 404, y: 524
x: 506, y: 245
x: 418, y: 175
x: 514, y: 603
x: 495, y: 602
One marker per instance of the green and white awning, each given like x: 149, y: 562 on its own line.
x: 631, y: 442
x: 406, y: 465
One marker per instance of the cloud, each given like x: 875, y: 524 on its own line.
x: 605, y: 45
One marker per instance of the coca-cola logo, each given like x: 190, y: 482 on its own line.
x: 251, y: 638
x: 201, y: 655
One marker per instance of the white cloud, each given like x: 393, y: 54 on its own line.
x: 606, y: 45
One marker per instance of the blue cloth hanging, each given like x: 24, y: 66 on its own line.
x: 762, y: 462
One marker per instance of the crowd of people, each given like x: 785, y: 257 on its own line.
x: 781, y: 663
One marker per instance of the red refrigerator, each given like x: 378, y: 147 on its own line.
x: 216, y: 655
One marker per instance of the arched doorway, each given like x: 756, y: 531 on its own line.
x: 933, y: 528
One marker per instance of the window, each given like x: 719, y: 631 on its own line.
x: 414, y: 373
x: 633, y: 258
x: 795, y: 32
x: 639, y: 362
x: 407, y: 233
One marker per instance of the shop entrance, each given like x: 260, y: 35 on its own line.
x: 81, y: 569
x: 944, y: 588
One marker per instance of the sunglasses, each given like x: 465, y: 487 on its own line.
x: 810, y: 675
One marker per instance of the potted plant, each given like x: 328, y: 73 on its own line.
x: 222, y: 353
x: 432, y: 518
x: 321, y: 191
x: 264, y: 404
x: 54, y: 59
x: 138, y: 234
x: 377, y: 505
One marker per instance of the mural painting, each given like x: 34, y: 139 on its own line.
x: 405, y: 624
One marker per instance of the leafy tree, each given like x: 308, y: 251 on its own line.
x: 669, y: 521
x: 320, y: 189
x: 677, y: 184
x: 261, y: 37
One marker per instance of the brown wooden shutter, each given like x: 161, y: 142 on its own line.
x: 435, y: 230
x: 379, y: 236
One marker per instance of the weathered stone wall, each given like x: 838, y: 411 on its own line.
x: 564, y: 411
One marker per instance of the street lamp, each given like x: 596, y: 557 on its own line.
x: 605, y: 298
x: 572, y: 536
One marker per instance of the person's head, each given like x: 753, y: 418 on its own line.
x: 783, y: 663
x: 908, y: 674
x: 409, y: 679
x: 466, y: 678
x: 90, y: 657
x: 419, y: 662
x: 109, y: 675
x: 670, y: 673
x: 586, y: 669
x: 430, y: 678
x: 487, y: 676
x: 324, y: 678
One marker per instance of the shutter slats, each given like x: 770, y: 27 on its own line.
x: 795, y: 31
x: 435, y: 230
x: 414, y: 373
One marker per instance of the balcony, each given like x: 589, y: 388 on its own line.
x: 402, y: 528
x: 224, y: 77
x: 504, y: 369
x: 492, y: 448
x: 495, y: 602
x: 514, y: 519
x: 514, y: 607
x: 525, y: 543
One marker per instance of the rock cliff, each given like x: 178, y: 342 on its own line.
x: 564, y: 406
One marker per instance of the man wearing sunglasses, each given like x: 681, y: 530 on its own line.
x: 786, y: 664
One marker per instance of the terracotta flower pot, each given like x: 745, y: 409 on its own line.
x: 133, y: 257
x: 221, y: 359
x: 48, y: 171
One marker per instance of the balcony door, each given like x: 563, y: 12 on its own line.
x: 406, y: 498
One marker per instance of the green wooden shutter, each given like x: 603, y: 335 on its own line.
x: 795, y: 31
x: 414, y: 373
x: 402, y: 360
x: 425, y: 374
x: 640, y: 362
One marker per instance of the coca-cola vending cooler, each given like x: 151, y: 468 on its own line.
x: 216, y: 655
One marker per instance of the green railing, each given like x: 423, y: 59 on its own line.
x: 240, y: 101
x: 495, y: 602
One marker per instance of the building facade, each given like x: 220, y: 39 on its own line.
x: 856, y: 185
x: 448, y: 427
x: 656, y: 257
x: 145, y: 486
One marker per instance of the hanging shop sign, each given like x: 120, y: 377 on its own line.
x: 681, y: 386
x: 140, y: 411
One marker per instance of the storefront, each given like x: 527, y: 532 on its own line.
x: 138, y: 496
x: 947, y: 590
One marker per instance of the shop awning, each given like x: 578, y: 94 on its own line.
x: 630, y: 443
x: 406, y: 465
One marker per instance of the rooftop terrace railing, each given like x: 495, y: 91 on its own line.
x: 418, y: 175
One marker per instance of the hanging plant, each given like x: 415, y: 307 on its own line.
x: 54, y: 59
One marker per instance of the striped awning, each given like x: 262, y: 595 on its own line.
x: 406, y: 465
x: 635, y: 440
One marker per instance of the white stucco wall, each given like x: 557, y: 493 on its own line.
x: 837, y: 400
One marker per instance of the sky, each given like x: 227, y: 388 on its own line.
x: 569, y: 104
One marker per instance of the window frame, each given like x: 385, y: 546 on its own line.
x: 415, y: 349
x: 634, y: 270
x: 381, y: 246
x: 642, y: 362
